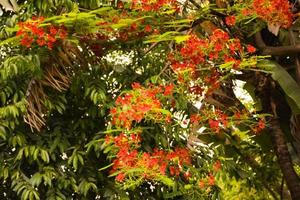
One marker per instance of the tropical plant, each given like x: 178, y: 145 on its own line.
x: 159, y: 99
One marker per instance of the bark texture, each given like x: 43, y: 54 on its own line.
x: 285, y: 160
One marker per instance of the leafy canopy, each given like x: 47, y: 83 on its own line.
x: 131, y: 99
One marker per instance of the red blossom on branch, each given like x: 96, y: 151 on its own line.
x: 31, y: 32
x: 230, y: 20
x: 211, y: 180
x: 156, y: 163
x: 197, y: 53
x: 251, y: 49
x: 273, y: 12
x: 138, y: 104
x: 217, y: 166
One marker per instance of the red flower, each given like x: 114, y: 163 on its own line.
x: 50, y: 45
x: 174, y: 171
x: 135, y: 85
x: 261, y: 124
x: 168, y: 89
x: 41, y: 18
x: 148, y: 29
x: 51, y: 39
x: 237, y: 115
x: 274, y: 12
x: 108, y: 139
x: 251, y: 49
x: 31, y: 32
x: 113, y: 111
x: 133, y: 26
x: 217, y: 165
x: 34, y: 18
x: 26, y: 41
x: 223, y: 118
x: 156, y: 31
x: 246, y: 12
x: 201, y: 184
x: 219, y: 34
x: 187, y: 175
x: 213, y: 124
x: 62, y: 33
x: 163, y: 168
x: 41, y: 41
x: 20, y: 32
x: 120, y: 4
x: 211, y: 179
x: 230, y: 20
x: 218, y: 47
x: 120, y: 177
x: 53, y: 30
x: 37, y: 31
x: 196, y: 90
x: 195, y: 118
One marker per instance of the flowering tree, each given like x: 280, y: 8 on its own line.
x: 145, y: 99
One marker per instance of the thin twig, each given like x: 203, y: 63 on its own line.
x: 281, y: 188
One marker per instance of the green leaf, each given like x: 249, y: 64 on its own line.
x: 180, y: 21
x: 101, y: 10
x: 5, y: 173
x: 25, y: 194
x: 36, y: 194
x: 12, y: 40
x: 36, y: 179
x: 75, y: 162
x: 165, y: 180
x: 243, y: 135
x: 293, y: 105
x: 284, y: 79
x: 251, y: 90
x: 80, y: 158
x: 2, y: 133
x: 108, y: 166
x: 35, y: 154
x: 181, y: 38
x: 20, y: 154
x: 44, y: 155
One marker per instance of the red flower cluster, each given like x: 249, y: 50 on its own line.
x: 218, y: 48
x: 230, y: 20
x: 138, y: 104
x: 220, y: 121
x: 251, y: 49
x: 124, y: 141
x: 209, y: 181
x: 30, y: 32
x: 271, y: 11
x: 154, y: 5
x: 197, y: 53
x: 154, y: 164
x: 130, y: 31
x: 217, y: 166
x: 195, y: 118
x: 261, y: 125
x: 135, y: 105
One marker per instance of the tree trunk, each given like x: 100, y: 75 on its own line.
x: 284, y: 159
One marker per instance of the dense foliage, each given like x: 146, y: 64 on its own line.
x: 151, y: 99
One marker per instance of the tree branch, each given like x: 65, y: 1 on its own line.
x: 275, y: 51
x: 284, y: 159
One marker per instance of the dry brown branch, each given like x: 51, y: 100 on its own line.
x: 57, y: 76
